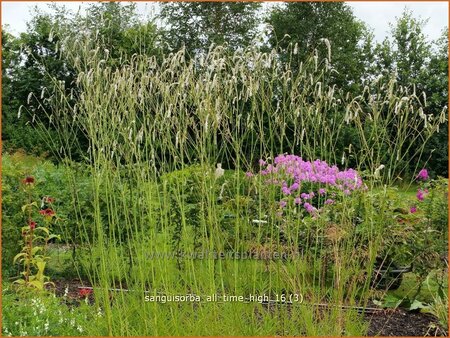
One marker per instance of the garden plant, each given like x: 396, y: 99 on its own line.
x: 222, y: 195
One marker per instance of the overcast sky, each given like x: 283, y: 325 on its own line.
x: 376, y: 15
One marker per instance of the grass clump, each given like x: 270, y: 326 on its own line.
x: 156, y: 132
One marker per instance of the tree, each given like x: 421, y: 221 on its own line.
x: 10, y: 103
x: 309, y: 23
x: 196, y: 25
x: 436, y: 87
x: 412, y: 51
x: 32, y: 61
x: 117, y: 28
x: 421, y: 66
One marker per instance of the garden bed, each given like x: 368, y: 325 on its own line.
x: 388, y: 322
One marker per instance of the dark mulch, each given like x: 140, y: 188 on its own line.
x: 69, y: 291
x: 404, y: 323
x: 72, y: 286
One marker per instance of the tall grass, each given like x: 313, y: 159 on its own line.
x: 156, y: 131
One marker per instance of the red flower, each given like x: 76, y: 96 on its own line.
x: 85, y: 292
x: 47, y: 212
x: 32, y: 224
x: 28, y: 180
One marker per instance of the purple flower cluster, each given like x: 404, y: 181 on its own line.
x: 423, y: 175
x: 291, y: 172
x: 421, y: 194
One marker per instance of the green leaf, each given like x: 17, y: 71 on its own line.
x: 26, y: 206
x: 22, y: 254
x: 44, y: 229
x: 35, y: 250
x: 378, y: 302
x: 19, y: 281
x: 417, y: 305
x: 37, y: 284
x: 391, y: 301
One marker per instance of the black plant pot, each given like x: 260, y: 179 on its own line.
x: 387, y: 275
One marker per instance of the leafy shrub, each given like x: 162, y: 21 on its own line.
x: 417, y: 232
x: 431, y: 245
x: 183, y: 194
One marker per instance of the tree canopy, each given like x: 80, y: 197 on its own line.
x: 32, y: 60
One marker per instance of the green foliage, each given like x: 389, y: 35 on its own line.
x: 36, y: 236
x: 197, y: 25
x: 131, y: 199
x: 307, y: 24
x: 28, y: 314
x: 431, y: 244
x: 33, y: 62
x: 436, y: 84
x: 32, y: 65
x: 51, y: 180
x: 421, y: 66
x: 417, y: 238
x: 119, y: 31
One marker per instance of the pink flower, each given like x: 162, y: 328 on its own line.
x: 329, y: 201
x: 294, y: 186
x: 423, y: 175
x: 421, y: 194
x: 286, y: 191
x: 248, y: 174
x: 413, y: 209
x: 322, y: 191
x: 283, y: 204
x: 298, y: 200
x: 309, y: 208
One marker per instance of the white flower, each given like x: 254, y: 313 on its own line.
x: 377, y: 171
x: 219, y: 171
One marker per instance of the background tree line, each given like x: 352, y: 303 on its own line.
x: 313, y: 27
